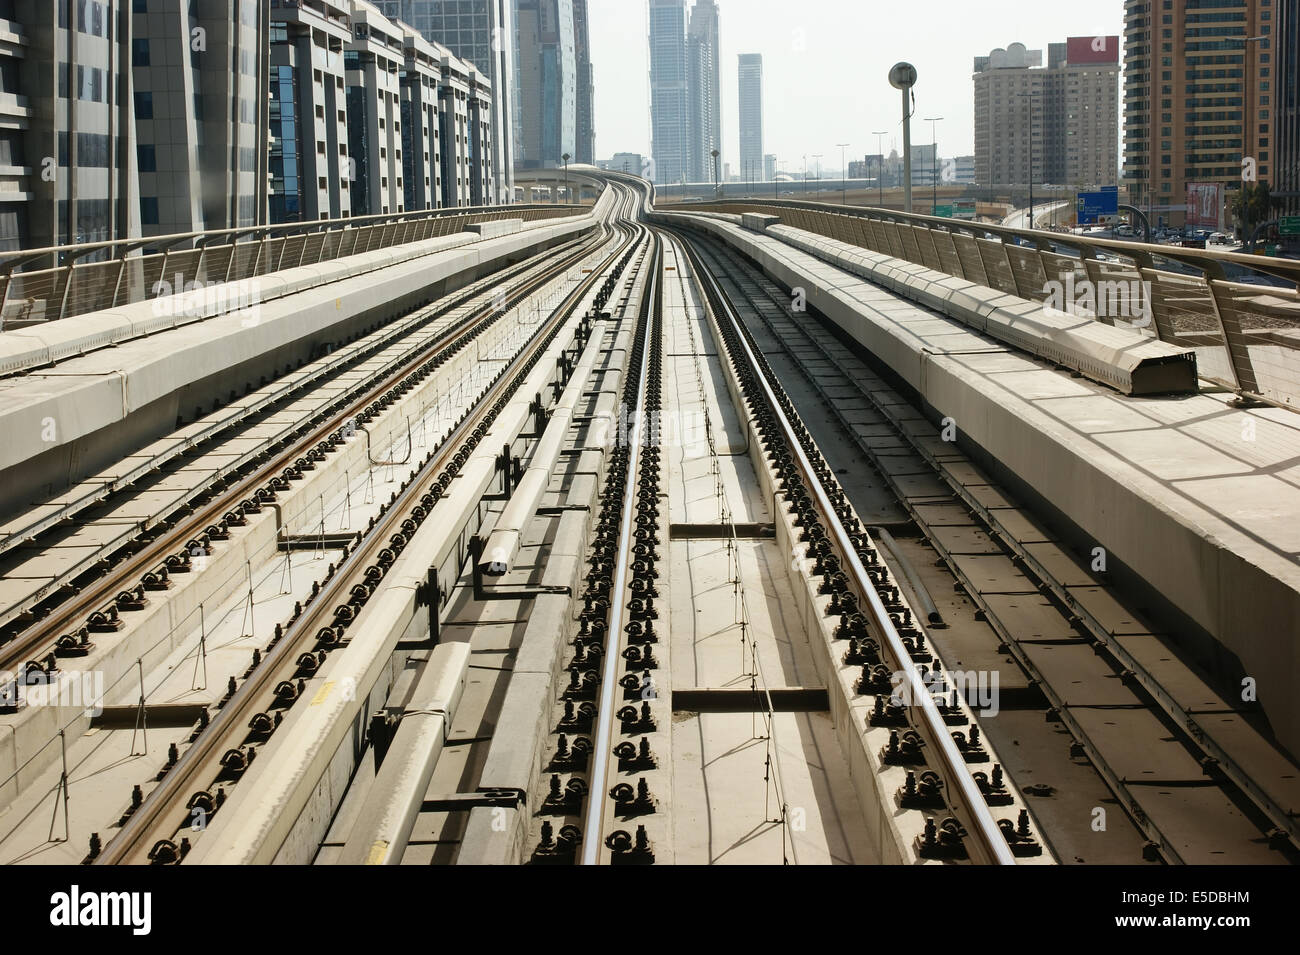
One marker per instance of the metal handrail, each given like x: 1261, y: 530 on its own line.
x: 10, y: 261
x: 218, y: 256
x: 1250, y: 329
x: 1210, y: 262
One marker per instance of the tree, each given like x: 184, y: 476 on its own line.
x: 1251, y: 205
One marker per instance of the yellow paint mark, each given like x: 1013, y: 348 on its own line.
x: 322, y: 693
x: 338, y: 303
x: 377, y: 853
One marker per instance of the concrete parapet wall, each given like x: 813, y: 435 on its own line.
x: 85, y: 413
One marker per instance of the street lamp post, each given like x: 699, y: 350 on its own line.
x: 567, y: 195
x: 880, y: 165
x: 1030, y: 96
x: 818, y: 157
x: 716, y: 192
x: 844, y: 176
x: 934, y: 162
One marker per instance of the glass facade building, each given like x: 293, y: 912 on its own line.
x: 669, y: 113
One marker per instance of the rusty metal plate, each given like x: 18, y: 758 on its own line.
x: 1205, y: 828
x: 1186, y: 686
x: 1109, y: 612
x: 1077, y: 675
x: 1064, y: 568
x: 969, y: 539
x: 996, y: 574
x: 1268, y: 767
x: 943, y: 515
x: 1021, y: 528
x: 1030, y: 617
x: 1137, y: 745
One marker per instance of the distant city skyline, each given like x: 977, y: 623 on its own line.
x: 825, y: 66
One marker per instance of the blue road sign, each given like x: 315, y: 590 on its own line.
x: 1095, y: 205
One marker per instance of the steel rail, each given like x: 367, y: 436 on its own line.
x: 137, y: 836
x: 985, y: 829
x: 597, y: 798
x: 22, y: 646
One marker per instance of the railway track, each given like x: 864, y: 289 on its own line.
x: 160, y: 828
x: 529, y: 671
x: 120, y: 578
x: 1196, y: 780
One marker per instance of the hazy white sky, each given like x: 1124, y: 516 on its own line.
x: 826, y: 66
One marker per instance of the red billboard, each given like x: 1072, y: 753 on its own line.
x: 1204, y: 204
x: 1091, y: 49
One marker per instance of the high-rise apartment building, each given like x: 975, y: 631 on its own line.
x: 585, y: 135
x: 1199, y: 94
x: 373, y: 60
x: 1287, y: 108
x: 1058, y: 124
x: 421, y: 139
x: 122, y: 120
x: 1082, y: 112
x: 309, y: 171
x: 481, y: 32
x: 751, y: 115
x: 669, y: 114
x: 704, y: 93
x: 1009, y: 105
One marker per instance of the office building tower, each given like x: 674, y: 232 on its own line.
x: 585, y: 123
x: 751, y: 115
x: 547, y: 83
x: 669, y: 114
x: 704, y: 94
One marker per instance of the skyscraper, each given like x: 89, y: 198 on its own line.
x: 548, y: 83
x: 1192, y: 117
x: 751, y: 116
x: 585, y: 135
x: 481, y: 32
x: 703, y: 86
x: 669, y: 116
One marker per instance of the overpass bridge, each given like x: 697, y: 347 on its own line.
x: 762, y: 531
